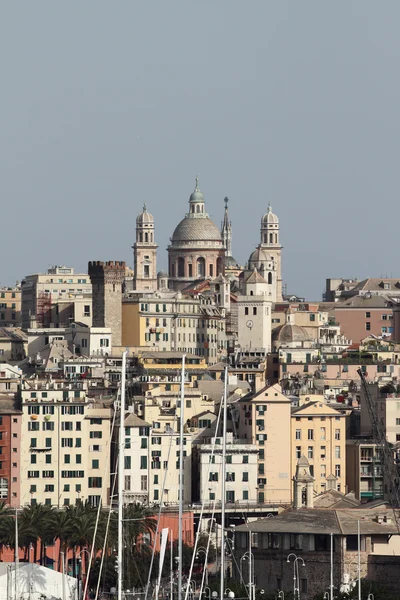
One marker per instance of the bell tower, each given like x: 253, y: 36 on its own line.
x: 303, y: 485
x: 145, y: 254
x: 271, y: 244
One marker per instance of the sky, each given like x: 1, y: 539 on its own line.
x: 109, y: 105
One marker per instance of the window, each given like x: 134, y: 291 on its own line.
x: 310, y: 452
x: 298, y: 451
x: 367, y: 315
x: 128, y: 462
x: 48, y: 459
x: 337, y: 451
x: 298, y: 434
x: 127, y: 483
x: 229, y: 459
x: 245, y: 476
x: 245, y: 495
x: 143, y: 443
x: 143, y: 483
x: 86, y: 310
x: 368, y: 326
x: 95, y: 462
x: 337, y: 470
x: 310, y: 434
x: 48, y: 426
x: 337, y: 434
x: 33, y: 459
x: 96, y: 434
x: 213, y: 477
x: 254, y: 310
x: 323, y: 433
x: 95, y: 482
x: 246, y: 310
x: 245, y: 459
x: 143, y: 462
x: 323, y: 452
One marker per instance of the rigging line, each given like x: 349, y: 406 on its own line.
x: 213, y: 445
x: 207, y: 550
x: 175, y: 421
x: 106, y: 533
x: 108, y: 455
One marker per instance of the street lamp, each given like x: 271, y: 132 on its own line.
x: 296, y: 578
x: 370, y: 597
x: 78, y: 556
x: 281, y: 595
x: 229, y: 593
x: 250, y: 557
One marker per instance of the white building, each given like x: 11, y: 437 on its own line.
x: 152, y: 463
x: 241, y: 472
x: 254, y: 314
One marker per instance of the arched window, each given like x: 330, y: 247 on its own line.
x: 181, y: 267
x: 217, y: 287
x: 198, y: 208
x: 276, y: 238
x: 140, y: 237
x: 269, y: 278
x: 265, y: 238
x: 211, y: 269
x: 192, y: 208
x: 251, y: 293
x: 146, y: 237
x: 271, y: 238
x: 201, y: 267
x: 172, y: 270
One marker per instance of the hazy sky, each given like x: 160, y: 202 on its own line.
x: 106, y: 105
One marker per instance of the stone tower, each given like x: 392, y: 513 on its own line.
x: 107, y: 279
x: 226, y: 231
x: 270, y: 243
x: 145, y: 254
x: 303, y: 485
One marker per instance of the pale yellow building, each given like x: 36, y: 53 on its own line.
x: 65, y: 445
x: 263, y: 418
x: 168, y: 321
x: 318, y: 432
x: 10, y: 307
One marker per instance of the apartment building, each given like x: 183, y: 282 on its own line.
x: 152, y: 463
x: 10, y: 307
x: 56, y: 298
x: 241, y: 472
x: 364, y: 469
x: 168, y: 321
x: 263, y: 418
x: 65, y: 445
x: 10, y: 440
x: 318, y: 432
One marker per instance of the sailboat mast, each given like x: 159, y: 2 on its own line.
x: 223, y: 493
x: 181, y: 487
x: 121, y: 448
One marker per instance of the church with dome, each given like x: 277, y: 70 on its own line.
x: 200, y: 251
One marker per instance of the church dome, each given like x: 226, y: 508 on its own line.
x: 196, y: 196
x: 259, y: 256
x: 231, y: 262
x: 290, y: 333
x: 144, y: 217
x: 270, y: 218
x: 162, y: 274
x: 192, y: 229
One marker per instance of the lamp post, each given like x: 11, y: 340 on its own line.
x: 281, y: 595
x: 371, y: 597
x: 78, y: 556
x: 296, y: 578
x: 250, y: 557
